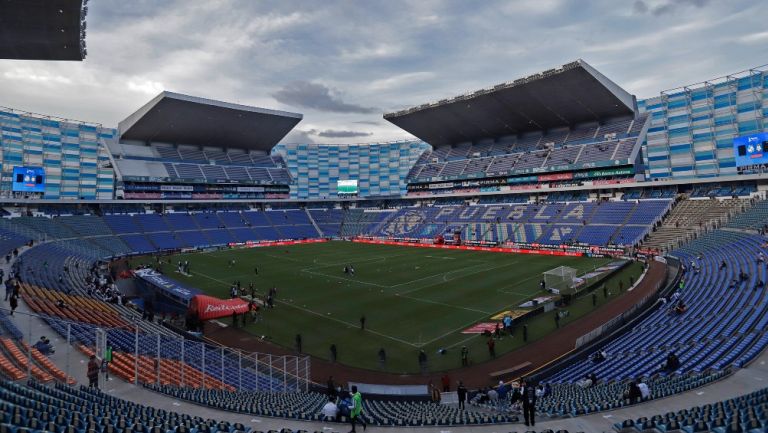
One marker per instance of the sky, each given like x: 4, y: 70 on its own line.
x: 342, y: 64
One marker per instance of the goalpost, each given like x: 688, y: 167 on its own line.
x: 561, y: 278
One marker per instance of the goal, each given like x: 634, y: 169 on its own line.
x: 561, y: 278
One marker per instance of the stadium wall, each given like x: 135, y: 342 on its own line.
x: 73, y: 154
x: 380, y: 168
x: 693, y: 127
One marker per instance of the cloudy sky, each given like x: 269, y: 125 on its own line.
x: 344, y: 63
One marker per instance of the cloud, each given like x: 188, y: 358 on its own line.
x: 148, y: 87
x: 665, y: 7
x: 754, y: 38
x: 34, y: 76
x: 349, y: 57
x: 401, y: 80
x: 337, y: 133
x: 379, y: 51
x: 317, y: 96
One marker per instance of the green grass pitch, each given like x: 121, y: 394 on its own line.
x: 412, y: 298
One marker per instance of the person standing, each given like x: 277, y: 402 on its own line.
x: 528, y: 395
x: 503, y: 391
x: 464, y: 356
x: 422, y: 360
x: 356, y: 411
x: 298, y: 343
x: 446, y: 382
x: 491, y: 347
x: 93, y: 372
x: 331, y: 388
x: 14, y: 302
x: 106, y: 361
x: 461, y: 392
x: 382, y: 358
x: 362, y: 322
x: 334, y: 354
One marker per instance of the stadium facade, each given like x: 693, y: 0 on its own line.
x: 381, y: 169
x: 72, y: 153
x: 693, y: 127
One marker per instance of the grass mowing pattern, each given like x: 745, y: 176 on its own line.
x: 413, y: 298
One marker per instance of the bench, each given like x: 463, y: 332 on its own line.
x: 519, y: 368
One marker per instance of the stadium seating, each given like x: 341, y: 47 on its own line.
x: 613, y: 222
x: 566, y: 400
x: 691, y: 216
x: 307, y: 406
x: 746, y: 413
x: 329, y: 221
x: 36, y: 407
x: 588, y: 144
x: 209, y: 165
x: 708, y: 335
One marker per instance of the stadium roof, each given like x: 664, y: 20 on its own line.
x: 42, y: 29
x: 182, y: 119
x: 571, y: 94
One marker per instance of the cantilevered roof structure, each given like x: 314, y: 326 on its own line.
x: 182, y: 119
x: 566, y: 96
x: 42, y: 29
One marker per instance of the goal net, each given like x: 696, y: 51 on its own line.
x: 561, y: 278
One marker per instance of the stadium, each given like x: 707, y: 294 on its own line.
x: 549, y: 247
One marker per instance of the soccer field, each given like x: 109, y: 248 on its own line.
x: 412, y: 298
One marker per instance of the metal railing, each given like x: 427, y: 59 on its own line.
x: 146, y: 358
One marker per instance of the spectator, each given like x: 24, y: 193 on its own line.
x: 528, y: 395
x: 585, y: 383
x: 632, y: 393
x: 93, y: 372
x: 434, y: 392
x: 446, y: 382
x: 44, y: 346
x: 645, y: 392
x: 356, y: 410
x: 672, y: 363
x: 503, y: 391
x: 331, y: 388
x: 461, y: 392
x: 14, y: 303
x: 330, y: 410
x: 598, y: 356
x: 493, y: 398
x: 681, y: 308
